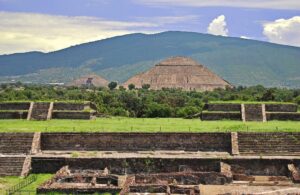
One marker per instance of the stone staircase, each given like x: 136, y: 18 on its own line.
x: 11, y: 166
x: 269, y: 143
x: 253, y: 112
x: 40, y: 111
x: 15, y: 143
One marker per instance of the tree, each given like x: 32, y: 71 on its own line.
x: 131, y: 86
x: 112, y: 85
x: 146, y: 86
x: 268, y: 95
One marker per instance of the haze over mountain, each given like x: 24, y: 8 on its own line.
x: 239, y: 61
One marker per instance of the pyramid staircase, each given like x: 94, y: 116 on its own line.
x: 41, y: 111
x: 253, y: 112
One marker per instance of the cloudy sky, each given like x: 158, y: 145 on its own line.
x: 48, y: 25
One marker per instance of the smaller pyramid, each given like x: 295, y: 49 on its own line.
x: 89, y: 81
x: 179, y: 72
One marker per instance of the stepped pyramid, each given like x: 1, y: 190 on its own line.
x: 90, y: 80
x: 179, y: 72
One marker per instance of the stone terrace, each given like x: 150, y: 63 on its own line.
x: 174, y: 163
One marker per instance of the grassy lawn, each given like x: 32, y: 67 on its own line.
x: 6, y: 182
x: 143, y: 125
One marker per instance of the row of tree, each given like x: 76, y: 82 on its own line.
x: 145, y: 102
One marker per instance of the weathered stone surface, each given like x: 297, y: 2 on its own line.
x: 15, y: 143
x: 11, y: 166
x: 234, y: 143
x: 68, y: 106
x: 262, y: 167
x: 71, y: 115
x: 281, y: 107
x: 211, y: 116
x: 253, y: 112
x: 137, y: 141
x: 294, y: 173
x: 269, y: 143
x: 223, y: 107
x: 283, y: 116
x: 40, y: 111
x: 122, y: 166
x: 179, y: 72
x: 13, y: 115
x: 15, y: 106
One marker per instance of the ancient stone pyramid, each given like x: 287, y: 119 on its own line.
x: 90, y: 80
x: 179, y: 72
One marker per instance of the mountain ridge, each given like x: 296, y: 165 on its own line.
x: 240, y: 61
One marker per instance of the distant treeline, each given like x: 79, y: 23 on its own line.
x: 145, y: 102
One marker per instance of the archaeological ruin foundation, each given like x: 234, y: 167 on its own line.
x: 46, y: 110
x: 167, y: 163
x: 251, y: 111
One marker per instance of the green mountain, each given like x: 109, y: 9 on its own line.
x: 239, y: 61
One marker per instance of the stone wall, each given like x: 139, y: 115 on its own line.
x: 68, y: 106
x: 283, y: 116
x: 13, y: 115
x: 269, y: 143
x: 122, y: 166
x: 71, y: 115
x: 15, y: 143
x: 211, y: 116
x: 11, y: 166
x: 137, y: 141
x: 262, y: 167
x: 223, y: 107
x: 281, y: 107
x: 15, y: 106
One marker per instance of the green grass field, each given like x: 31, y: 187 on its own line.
x: 143, y: 125
x: 6, y: 182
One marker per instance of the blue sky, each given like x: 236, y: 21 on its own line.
x: 47, y: 25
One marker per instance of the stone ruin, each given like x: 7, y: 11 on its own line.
x: 46, y: 110
x: 250, y: 112
x: 166, y: 163
x: 68, y: 180
x: 92, y: 80
x: 181, y: 73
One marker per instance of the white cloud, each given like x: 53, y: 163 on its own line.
x: 218, y: 26
x: 283, y: 31
x: 269, y: 4
x: 20, y: 32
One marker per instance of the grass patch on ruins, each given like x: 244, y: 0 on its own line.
x: 117, y: 124
x: 6, y: 182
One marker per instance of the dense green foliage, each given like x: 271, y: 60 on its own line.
x: 145, y: 102
x: 239, y: 61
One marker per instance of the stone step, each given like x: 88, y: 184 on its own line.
x: 11, y: 166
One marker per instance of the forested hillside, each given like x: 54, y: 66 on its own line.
x: 239, y: 61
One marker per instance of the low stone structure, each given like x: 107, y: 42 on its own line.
x: 250, y: 112
x: 92, y: 80
x: 136, y: 141
x: 46, y: 110
x: 173, y: 163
